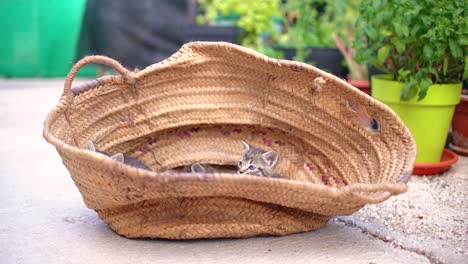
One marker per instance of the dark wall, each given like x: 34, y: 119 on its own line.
x: 136, y: 33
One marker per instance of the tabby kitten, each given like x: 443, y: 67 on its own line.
x: 258, y: 162
x: 125, y: 159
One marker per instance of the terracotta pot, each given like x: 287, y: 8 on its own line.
x: 460, y: 126
x: 362, y: 85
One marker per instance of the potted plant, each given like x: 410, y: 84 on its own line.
x: 460, y: 126
x: 306, y: 35
x: 422, y: 45
x: 345, y: 14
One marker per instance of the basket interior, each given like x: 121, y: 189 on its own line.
x: 184, y: 111
x: 339, y: 149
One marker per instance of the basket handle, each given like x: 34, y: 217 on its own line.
x: 98, y: 59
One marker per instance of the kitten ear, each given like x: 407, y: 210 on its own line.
x: 198, y: 168
x: 246, y: 146
x: 118, y: 157
x: 270, y: 157
x: 90, y: 145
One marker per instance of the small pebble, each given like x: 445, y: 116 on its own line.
x: 69, y: 219
x: 387, y: 239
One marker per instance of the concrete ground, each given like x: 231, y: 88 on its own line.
x: 44, y: 220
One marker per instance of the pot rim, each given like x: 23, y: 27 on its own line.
x: 388, y: 90
x: 464, y: 96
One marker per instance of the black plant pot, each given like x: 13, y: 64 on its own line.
x: 327, y: 59
x: 289, y: 53
x: 212, y: 33
x: 374, y: 71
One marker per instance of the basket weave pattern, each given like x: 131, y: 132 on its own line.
x: 197, y: 106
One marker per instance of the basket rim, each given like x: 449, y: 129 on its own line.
x: 386, y: 190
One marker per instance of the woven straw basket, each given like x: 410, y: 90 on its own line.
x: 197, y: 106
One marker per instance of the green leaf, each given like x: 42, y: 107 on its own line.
x: 445, y: 65
x: 358, y: 22
x: 424, y: 87
x: 458, y: 11
x: 409, y: 91
x: 435, y: 73
x: 464, y: 40
x: 401, y: 29
x: 465, y: 71
x: 371, y: 32
x: 402, y: 74
x: 416, y: 8
x: 455, y: 49
x: 415, y: 29
x: 377, y: 3
x: 399, y: 45
x: 427, y: 52
x: 382, y: 54
x: 405, y: 30
x: 385, y: 32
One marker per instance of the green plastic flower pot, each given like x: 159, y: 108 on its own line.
x: 428, y: 119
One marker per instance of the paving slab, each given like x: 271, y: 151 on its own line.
x: 44, y: 220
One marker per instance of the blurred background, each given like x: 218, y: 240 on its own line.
x: 422, y: 45
x: 43, y: 38
x: 418, y: 44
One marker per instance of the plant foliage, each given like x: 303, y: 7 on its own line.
x: 419, y: 42
x: 306, y: 25
x: 256, y: 18
x: 267, y: 24
x: 344, y: 14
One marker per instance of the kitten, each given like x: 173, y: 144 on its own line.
x: 255, y: 161
x: 195, y: 168
x: 202, y: 168
x: 125, y: 159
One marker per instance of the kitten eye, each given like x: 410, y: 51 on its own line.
x: 240, y: 163
x: 252, y: 167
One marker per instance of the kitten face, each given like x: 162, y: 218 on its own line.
x: 258, y: 162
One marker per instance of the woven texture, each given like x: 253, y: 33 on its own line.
x: 197, y: 106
